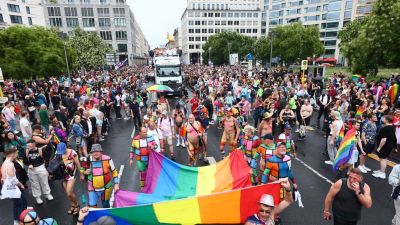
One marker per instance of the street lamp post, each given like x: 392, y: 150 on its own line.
x: 229, y: 50
x: 63, y: 36
x: 270, y: 56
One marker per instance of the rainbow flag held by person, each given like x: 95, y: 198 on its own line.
x: 393, y: 93
x: 360, y: 110
x: 356, y: 78
x: 168, y: 180
x: 229, y: 207
x: 345, y: 149
x: 340, y: 137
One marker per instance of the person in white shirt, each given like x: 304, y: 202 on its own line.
x: 156, y: 133
x: 9, y: 115
x: 166, y: 124
x: 394, y: 180
x: 25, y: 126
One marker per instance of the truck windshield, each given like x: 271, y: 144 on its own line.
x: 168, y: 71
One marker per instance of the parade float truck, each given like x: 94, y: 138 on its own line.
x: 167, y: 69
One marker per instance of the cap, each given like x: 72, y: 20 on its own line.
x: 287, y: 126
x: 164, y: 112
x: 268, y: 136
x: 96, y: 148
x: 267, y: 200
x: 268, y: 115
x: 61, y: 148
x: 279, y: 143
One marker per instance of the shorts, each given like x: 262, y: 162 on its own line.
x: 168, y: 139
x: 369, y: 148
x: 384, y: 153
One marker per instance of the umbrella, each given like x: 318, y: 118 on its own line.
x: 159, y: 88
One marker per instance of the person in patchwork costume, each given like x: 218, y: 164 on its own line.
x: 102, y: 176
x: 140, y: 148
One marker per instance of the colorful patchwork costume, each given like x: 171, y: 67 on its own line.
x: 101, y: 179
x: 249, y: 148
x: 141, y: 148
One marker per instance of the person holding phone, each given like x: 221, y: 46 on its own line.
x: 346, y: 197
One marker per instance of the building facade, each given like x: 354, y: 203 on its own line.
x: 203, y: 18
x: 112, y: 19
x: 330, y: 16
x: 21, y: 12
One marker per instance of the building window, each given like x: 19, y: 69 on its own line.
x: 54, y: 11
x: 87, y: 12
x: 211, y: 23
x: 349, y: 4
x: 13, y: 8
x: 28, y: 10
x: 210, y: 14
x: 71, y: 1
x: 71, y: 11
x: 119, y: 22
x: 103, y: 2
x: 16, y: 19
x: 191, y: 22
x: 329, y: 51
x: 30, y: 21
x: 191, y: 46
x: 330, y: 43
x: 198, y: 39
x: 347, y: 14
x: 72, y: 22
x: 104, y: 22
x: 210, y: 31
x: 86, y: 1
x: 106, y: 35
x: 217, y: 23
x: 204, y: 31
x: 334, y: 6
x: 55, y: 22
x: 1, y: 18
x: 122, y: 48
x: 333, y: 16
x: 330, y: 25
x: 217, y: 14
x: 255, y: 31
x: 120, y: 12
x: 120, y: 1
x: 230, y: 23
x: 191, y: 31
x: 197, y: 31
x: 103, y: 12
x: 88, y: 22
x: 121, y: 35
x: 191, y: 38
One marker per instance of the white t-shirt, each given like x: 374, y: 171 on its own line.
x: 157, y: 135
x: 26, y: 128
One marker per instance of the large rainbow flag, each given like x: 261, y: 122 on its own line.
x: 393, y: 92
x: 229, y: 207
x: 345, y: 149
x: 168, y: 180
x: 360, y: 110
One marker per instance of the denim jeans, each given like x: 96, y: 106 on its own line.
x: 12, y: 125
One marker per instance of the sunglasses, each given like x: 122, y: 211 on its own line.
x: 265, y: 211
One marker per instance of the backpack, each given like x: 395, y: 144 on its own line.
x: 56, y: 168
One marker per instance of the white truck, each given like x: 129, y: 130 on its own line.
x: 167, y: 70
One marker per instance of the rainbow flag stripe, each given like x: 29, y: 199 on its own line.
x: 360, y: 110
x: 393, y: 93
x: 168, y: 180
x: 230, y: 207
x: 341, y: 135
x: 345, y: 149
x: 356, y: 78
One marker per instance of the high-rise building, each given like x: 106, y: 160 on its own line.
x: 21, y: 12
x: 330, y: 16
x: 203, y: 18
x: 112, y: 19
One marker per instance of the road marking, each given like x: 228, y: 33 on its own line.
x: 374, y: 156
x: 211, y: 160
x: 121, y: 170
x: 314, y: 171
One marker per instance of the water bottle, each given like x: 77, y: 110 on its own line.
x: 83, y: 199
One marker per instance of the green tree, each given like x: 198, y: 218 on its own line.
x: 377, y: 42
x: 219, y: 46
x: 29, y: 52
x: 90, y: 49
x: 263, y: 49
x: 295, y: 42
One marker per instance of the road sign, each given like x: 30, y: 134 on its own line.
x: 304, y: 64
x: 249, y: 57
x: 234, y: 59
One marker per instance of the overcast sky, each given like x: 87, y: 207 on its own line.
x: 157, y: 18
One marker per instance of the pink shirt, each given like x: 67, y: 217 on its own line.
x: 8, y: 114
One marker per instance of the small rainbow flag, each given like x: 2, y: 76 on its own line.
x: 393, y: 93
x: 356, y: 78
x: 229, y: 207
x: 167, y: 180
x: 360, y: 110
x: 345, y: 149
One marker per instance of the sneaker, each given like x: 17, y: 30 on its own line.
x: 49, y: 197
x: 101, y: 139
x: 177, y: 144
x: 366, y: 168
x: 39, y: 201
x: 212, y: 122
x: 379, y: 175
x: 376, y: 171
x: 183, y: 145
x: 16, y: 222
x: 297, y: 131
x: 126, y: 118
x: 106, y: 133
x: 329, y: 162
x: 362, y: 169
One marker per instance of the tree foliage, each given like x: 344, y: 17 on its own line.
x: 28, y: 52
x: 295, y: 42
x: 219, y: 46
x: 90, y: 49
x: 376, y: 44
x: 263, y: 49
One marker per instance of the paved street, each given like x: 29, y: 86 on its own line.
x: 312, y: 175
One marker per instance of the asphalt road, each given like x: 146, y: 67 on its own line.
x: 313, y: 178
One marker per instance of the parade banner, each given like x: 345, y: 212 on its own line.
x: 230, y: 207
x: 167, y: 180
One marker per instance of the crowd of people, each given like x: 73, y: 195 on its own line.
x: 66, y: 119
